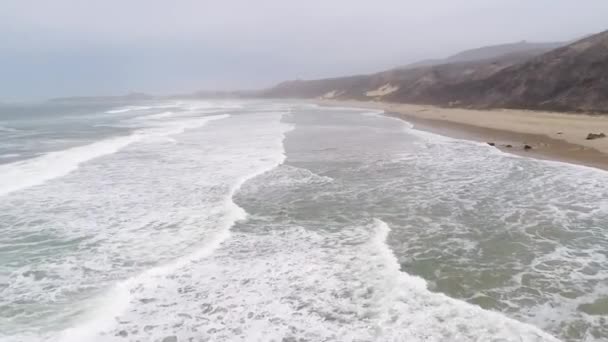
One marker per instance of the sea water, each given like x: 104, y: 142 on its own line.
x: 285, y: 221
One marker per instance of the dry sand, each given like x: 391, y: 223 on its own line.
x: 559, y: 136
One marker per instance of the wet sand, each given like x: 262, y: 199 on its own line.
x: 554, y: 136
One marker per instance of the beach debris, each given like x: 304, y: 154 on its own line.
x: 491, y: 144
x: 593, y: 136
x: 560, y: 133
x: 527, y: 147
x: 508, y: 145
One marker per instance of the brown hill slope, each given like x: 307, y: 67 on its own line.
x: 522, y: 49
x: 570, y: 78
x: 415, y: 82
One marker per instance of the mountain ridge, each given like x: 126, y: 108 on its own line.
x: 522, y: 48
x: 570, y: 78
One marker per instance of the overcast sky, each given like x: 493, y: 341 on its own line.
x: 78, y: 47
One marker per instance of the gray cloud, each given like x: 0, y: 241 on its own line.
x: 64, y: 47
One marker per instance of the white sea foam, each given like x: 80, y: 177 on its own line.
x: 296, y: 283
x: 313, y: 276
x: 534, y: 202
x: 337, y: 108
x: 196, y: 106
x: 162, y: 115
x: 128, y: 109
x: 375, y: 113
x: 434, y: 138
x: 27, y: 173
x: 120, y: 297
x: 449, y: 317
x: 7, y: 129
x: 294, y: 176
x: 23, y: 174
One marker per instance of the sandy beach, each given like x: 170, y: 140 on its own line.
x: 556, y: 136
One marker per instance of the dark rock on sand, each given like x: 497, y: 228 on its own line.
x: 508, y: 146
x: 527, y: 147
x: 491, y: 144
x: 593, y: 136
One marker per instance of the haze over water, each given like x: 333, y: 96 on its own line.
x: 264, y: 220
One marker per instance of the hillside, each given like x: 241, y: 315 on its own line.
x: 520, y: 49
x: 570, y: 78
x: 415, y: 82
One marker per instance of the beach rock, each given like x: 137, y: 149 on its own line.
x: 491, y: 144
x: 527, y: 147
x: 508, y: 145
x: 593, y: 136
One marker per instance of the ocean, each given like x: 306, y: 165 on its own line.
x: 259, y: 220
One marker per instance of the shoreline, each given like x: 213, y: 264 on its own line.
x: 551, y: 136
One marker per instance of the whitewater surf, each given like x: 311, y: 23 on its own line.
x: 285, y: 221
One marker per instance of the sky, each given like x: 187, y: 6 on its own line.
x: 111, y: 47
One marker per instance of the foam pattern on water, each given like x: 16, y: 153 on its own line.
x: 368, y: 231
x: 295, y: 284
x: 31, y: 172
x: 518, y: 235
x: 511, y: 234
x: 144, y: 207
